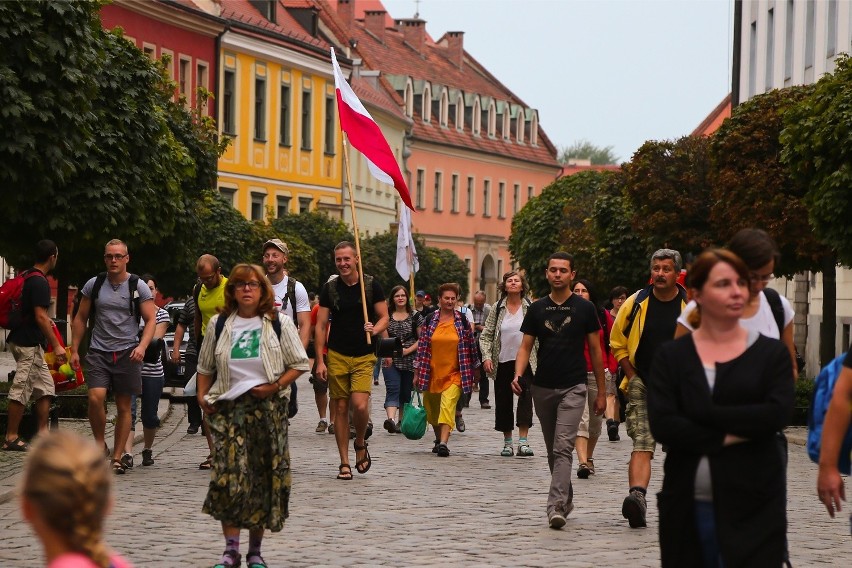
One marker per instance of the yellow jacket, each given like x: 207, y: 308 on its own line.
x: 628, y: 326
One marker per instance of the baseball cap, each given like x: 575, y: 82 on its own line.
x: 420, y: 293
x: 277, y: 243
x: 427, y: 297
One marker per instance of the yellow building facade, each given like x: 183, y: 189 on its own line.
x: 278, y: 107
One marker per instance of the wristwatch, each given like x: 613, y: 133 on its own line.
x: 280, y: 386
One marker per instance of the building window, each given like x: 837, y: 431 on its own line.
x: 831, y: 32
x: 752, y: 61
x: 519, y: 134
x: 530, y: 192
x: 305, y: 204
x: 260, y: 109
x: 507, y: 123
x: 329, y: 126
x: 499, y: 267
x: 454, y: 193
x: 534, y: 129
x: 477, y: 117
x: 184, y: 80
x: 257, y: 204
x: 486, y: 198
x: 427, y: 103
x: 229, y: 194
x: 460, y: 113
x: 284, y: 122
x: 149, y: 50
x: 409, y: 100
x: 810, y: 33
x: 501, y: 202
x: 770, y: 49
x: 788, y: 41
x: 229, y: 102
x: 492, y: 120
x: 283, y: 206
x: 470, y: 195
x: 201, y: 83
x: 445, y: 108
x: 306, y: 120
x: 419, y: 199
x: 516, y: 199
x: 439, y: 178
x: 168, y: 58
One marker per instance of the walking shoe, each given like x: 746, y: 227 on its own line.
x: 485, y: 406
x: 507, y: 451
x: 524, y: 449
x: 398, y: 428
x: 633, y: 509
x: 443, y: 451
x: 583, y: 472
x: 556, y: 519
x: 147, y: 458
x: 322, y: 426
x: 193, y: 428
x: 612, y: 430
x: 460, y: 424
x: 591, y: 463
x: 331, y: 428
x: 390, y: 426
x: 127, y: 461
x: 435, y: 447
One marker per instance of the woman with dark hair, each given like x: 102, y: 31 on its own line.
x: 590, y: 425
x: 255, y: 354
x: 766, y: 311
x: 617, y: 297
x: 499, y: 343
x: 445, y: 363
x: 153, y: 380
x: 717, y: 398
x: 399, y: 369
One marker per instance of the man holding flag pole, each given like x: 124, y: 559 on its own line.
x: 350, y: 355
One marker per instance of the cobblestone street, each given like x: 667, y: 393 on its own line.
x: 474, y: 508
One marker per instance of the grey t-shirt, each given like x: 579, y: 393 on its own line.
x: 115, y: 328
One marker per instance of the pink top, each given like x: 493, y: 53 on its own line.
x: 77, y: 560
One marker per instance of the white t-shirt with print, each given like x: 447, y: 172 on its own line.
x: 282, y: 302
x: 763, y: 321
x: 245, y: 363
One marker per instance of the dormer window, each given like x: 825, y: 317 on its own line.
x: 460, y: 113
x: 507, y: 122
x: 427, y: 103
x: 492, y: 120
x: 534, y: 129
x: 408, y: 97
x: 477, y: 117
x: 519, y: 130
x: 445, y: 108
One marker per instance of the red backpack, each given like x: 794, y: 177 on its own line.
x: 11, y: 299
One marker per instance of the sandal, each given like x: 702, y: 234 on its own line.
x: 234, y: 556
x: 259, y: 562
x: 525, y: 450
x: 583, y: 472
x: 591, y: 463
x: 507, y: 451
x: 16, y: 445
x: 363, y: 465
x: 118, y: 467
x: 345, y: 472
x: 206, y: 464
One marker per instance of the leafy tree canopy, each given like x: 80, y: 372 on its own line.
x: 585, y: 150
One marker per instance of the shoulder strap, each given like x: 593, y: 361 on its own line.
x: 276, y: 324
x: 132, y: 285
x: 291, y: 297
x: 96, y: 290
x: 220, y: 325
x: 774, y: 299
x: 634, y: 309
x: 196, y: 293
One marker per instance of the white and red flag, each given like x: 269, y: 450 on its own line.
x: 365, y: 135
x: 406, y: 254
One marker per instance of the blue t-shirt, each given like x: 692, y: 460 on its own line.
x: 115, y: 327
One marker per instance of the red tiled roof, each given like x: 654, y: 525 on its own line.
x: 376, y: 96
x: 568, y: 170
x: 362, y: 6
x: 710, y: 124
x: 394, y: 57
x: 243, y: 12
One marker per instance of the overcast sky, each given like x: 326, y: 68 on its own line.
x: 614, y: 72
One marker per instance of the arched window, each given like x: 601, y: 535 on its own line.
x: 427, y: 103
x: 507, y: 122
x: 445, y: 108
x: 519, y: 130
x: 409, y: 99
x: 477, y: 117
x: 492, y: 119
x: 534, y: 128
x: 460, y: 112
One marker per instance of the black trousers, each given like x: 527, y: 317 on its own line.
x: 504, y: 401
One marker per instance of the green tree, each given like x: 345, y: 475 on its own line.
x: 815, y: 138
x: 670, y: 193
x: 585, y: 150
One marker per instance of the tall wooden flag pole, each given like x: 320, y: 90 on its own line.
x: 355, y: 230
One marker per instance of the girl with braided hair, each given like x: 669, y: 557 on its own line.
x: 65, y: 497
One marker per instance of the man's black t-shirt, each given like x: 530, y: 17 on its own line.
x: 347, y: 335
x: 561, y: 331
x: 36, y: 292
x: 659, y: 327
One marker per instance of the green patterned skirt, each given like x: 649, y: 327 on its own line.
x: 250, y: 477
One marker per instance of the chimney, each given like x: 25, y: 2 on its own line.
x: 346, y: 12
x: 374, y: 22
x: 455, y: 48
x: 414, y: 33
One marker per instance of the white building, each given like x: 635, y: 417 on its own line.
x: 779, y: 43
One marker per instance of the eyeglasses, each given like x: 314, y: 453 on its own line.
x: 251, y: 285
x: 109, y: 257
x: 761, y: 277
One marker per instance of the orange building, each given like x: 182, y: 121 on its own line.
x: 476, y: 152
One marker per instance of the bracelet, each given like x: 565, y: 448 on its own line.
x: 280, y: 386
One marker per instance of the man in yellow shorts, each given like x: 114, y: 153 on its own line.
x: 349, y: 370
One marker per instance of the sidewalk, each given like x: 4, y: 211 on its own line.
x: 11, y: 463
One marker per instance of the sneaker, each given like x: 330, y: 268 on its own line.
x: 583, y: 472
x: 147, y: 458
x: 331, y: 428
x: 556, y: 519
x: 193, y: 428
x: 507, y: 451
x: 460, y: 424
x: 322, y: 426
x: 127, y: 461
x: 612, y: 430
x: 633, y: 509
x: 390, y: 426
x: 443, y: 451
x: 485, y: 406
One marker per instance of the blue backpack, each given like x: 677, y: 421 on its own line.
x: 823, y: 389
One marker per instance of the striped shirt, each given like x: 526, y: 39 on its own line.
x: 278, y: 355
x: 155, y: 370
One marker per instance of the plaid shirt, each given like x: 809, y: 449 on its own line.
x: 468, y: 359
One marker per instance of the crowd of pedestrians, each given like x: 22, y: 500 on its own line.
x: 707, y: 370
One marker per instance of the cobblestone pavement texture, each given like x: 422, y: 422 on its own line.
x: 412, y: 508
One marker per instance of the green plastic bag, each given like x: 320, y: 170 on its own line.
x: 413, y: 424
